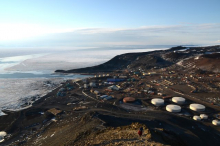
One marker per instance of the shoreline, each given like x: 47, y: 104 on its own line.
x: 30, y: 101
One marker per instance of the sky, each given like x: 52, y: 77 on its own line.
x: 95, y: 23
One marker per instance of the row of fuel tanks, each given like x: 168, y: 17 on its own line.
x: 176, y: 107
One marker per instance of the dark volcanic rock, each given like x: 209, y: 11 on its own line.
x: 177, y: 48
x: 212, y: 56
x: 149, y: 61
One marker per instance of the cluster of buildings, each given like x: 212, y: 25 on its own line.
x: 129, y: 86
x: 62, y: 91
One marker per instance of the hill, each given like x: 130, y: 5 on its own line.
x: 157, y: 59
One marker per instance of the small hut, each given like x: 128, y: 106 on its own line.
x: 55, y: 111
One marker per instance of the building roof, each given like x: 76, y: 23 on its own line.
x: 54, y: 111
x: 128, y: 99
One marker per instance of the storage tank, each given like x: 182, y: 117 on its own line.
x: 203, y: 116
x: 197, y: 118
x: 128, y: 100
x: 216, y: 122
x: 178, y: 100
x: 197, y: 107
x: 2, y: 135
x: 157, y: 101
x: 173, y: 108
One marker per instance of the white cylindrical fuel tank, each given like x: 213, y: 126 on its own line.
x: 197, y: 107
x: 197, y: 118
x: 173, y: 108
x: 2, y: 135
x: 178, y: 100
x: 216, y: 122
x: 157, y: 101
x: 203, y: 116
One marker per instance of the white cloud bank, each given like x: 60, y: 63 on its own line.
x: 37, y: 36
x: 19, y: 31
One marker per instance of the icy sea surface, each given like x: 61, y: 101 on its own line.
x: 26, y: 78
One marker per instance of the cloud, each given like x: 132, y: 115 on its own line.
x: 121, y: 30
x: 19, y: 31
x: 144, y: 35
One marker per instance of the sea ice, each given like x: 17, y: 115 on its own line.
x: 14, y: 93
x: 68, y: 60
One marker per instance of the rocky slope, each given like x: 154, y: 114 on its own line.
x: 97, y: 129
x: 202, y: 62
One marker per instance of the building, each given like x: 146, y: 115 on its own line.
x: 113, y: 87
x: 128, y: 100
x: 55, y: 111
x: 115, y: 80
x: 92, y: 84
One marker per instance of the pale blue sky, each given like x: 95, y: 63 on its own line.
x: 99, y: 22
